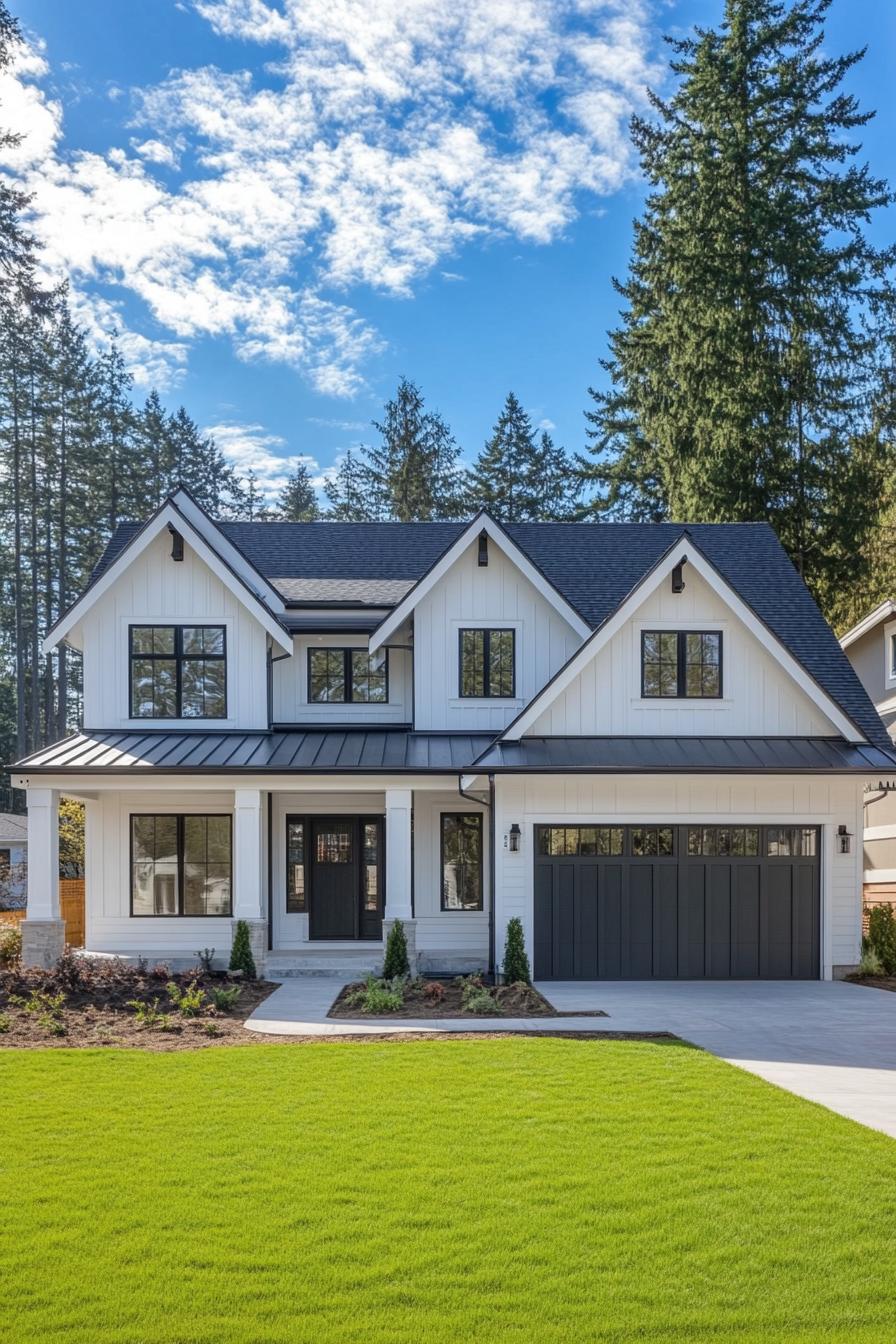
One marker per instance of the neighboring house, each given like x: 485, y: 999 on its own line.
x: 642, y: 739
x: 870, y: 647
x: 13, y: 861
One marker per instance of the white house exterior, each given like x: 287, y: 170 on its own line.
x: 13, y: 861
x: 870, y: 647
x: 643, y: 740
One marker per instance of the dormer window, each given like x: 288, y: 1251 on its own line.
x: 348, y: 676
x: 681, y: 664
x: 178, y: 672
x: 487, y: 664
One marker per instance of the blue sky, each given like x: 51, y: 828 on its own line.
x: 284, y: 206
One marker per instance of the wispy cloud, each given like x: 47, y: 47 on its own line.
x: 253, y: 448
x: 260, y: 205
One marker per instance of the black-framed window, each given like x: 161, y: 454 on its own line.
x: 178, y: 671
x: 892, y: 667
x: 348, y: 676
x: 461, y: 846
x: 296, y: 866
x: 487, y: 664
x: 681, y: 664
x: 181, y: 865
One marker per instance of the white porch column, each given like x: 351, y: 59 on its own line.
x: 399, y: 812
x: 43, y: 930
x: 248, y: 885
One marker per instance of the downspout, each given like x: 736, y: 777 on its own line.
x: 492, y: 861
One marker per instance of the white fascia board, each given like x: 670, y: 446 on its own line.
x: 684, y: 551
x: 169, y: 515
x: 207, y: 527
x: 880, y: 613
x: 482, y: 523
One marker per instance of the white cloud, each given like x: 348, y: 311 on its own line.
x: 381, y: 140
x: 546, y: 424
x: 253, y: 448
x: 346, y: 425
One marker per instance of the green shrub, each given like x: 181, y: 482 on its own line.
x: 10, y: 944
x: 395, y: 962
x: 377, y: 995
x: 470, y: 986
x: 149, y: 1014
x: 870, y: 962
x: 241, y: 958
x: 5, y: 1022
x: 189, y: 1002
x: 881, y: 937
x: 516, y: 962
x: 39, y: 1004
x: 224, y: 999
x: 482, y: 1004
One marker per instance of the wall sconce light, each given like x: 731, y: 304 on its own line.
x: 843, y: 839
x: 515, y: 839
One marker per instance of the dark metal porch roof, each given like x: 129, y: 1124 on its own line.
x: 684, y: 755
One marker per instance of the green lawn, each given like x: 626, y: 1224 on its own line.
x: 506, y: 1189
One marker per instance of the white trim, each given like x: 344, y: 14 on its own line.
x: 873, y: 875
x: 889, y: 656
x: 886, y: 608
x: 880, y: 832
x: 170, y: 514
x: 685, y: 550
x: 458, y: 701
x: 481, y: 523
x: 147, y: 723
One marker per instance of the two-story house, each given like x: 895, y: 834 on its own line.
x: 642, y: 739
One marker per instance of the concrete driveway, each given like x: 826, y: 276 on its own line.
x: 828, y: 1041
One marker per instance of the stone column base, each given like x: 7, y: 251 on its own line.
x: 410, y: 934
x: 43, y: 941
x: 258, y: 940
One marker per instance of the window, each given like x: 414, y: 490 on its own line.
x: 487, y: 664
x: 180, y: 865
x: 893, y: 655
x: 580, y: 841
x: 178, y: 672
x: 348, y: 676
x: 681, y: 664
x: 786, y: 842
x: 461, y: 861
x: 296, y: 870
x: 734, y: 842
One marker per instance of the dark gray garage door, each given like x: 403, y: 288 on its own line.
x: 676, y: 902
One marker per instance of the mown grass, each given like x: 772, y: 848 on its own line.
x: 498, y: 1190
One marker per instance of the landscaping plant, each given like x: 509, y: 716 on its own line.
x: 241, y: 958
x: 881, y: 938
x: 378, y: 995
x: 189, y: 1002
x: 395, y: 962
x: 206, y: 960
x: 224, y: 999
x: 149, y: 1014
x: 10, y: 945
x: 516, y: 962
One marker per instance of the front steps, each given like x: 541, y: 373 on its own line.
x: 351, y: 960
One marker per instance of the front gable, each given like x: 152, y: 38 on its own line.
x: 766, y: 691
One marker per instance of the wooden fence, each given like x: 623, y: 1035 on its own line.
x: 71, y: 900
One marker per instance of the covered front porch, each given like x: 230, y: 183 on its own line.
x: 318, y: 870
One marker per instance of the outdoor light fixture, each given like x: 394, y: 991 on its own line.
x: 514, y: 838
x: 843, y: 839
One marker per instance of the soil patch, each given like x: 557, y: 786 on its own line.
x: 874, y: 981
x: 79, y: 1004
x: 435, y: 998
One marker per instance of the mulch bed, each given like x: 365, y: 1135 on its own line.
x: 422, y: 1000
x: 82, y: 1004
x: 874, y: 981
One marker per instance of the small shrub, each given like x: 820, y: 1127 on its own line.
x: 241, y: 958
x: 882, y: 936
x: 160, y: 971
x: 206, y: 960
x: 870, y: 963
x: 51, y: 1024
x: 149, y: 1014
x: 141, y: 966
x: 516, y: 962
x: 395, y: 963
x: 5, y: 1022
x: 470, y: 986
x: 189, y: 1002
x: 40, y: 1004
x: 211, y: 1029
x: 224, y: 999
x: 433, y: 992
x: 377, y: 995
x: 10, y: 945
x: 482, y: 1004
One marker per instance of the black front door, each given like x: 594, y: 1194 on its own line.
x: 346, y: 877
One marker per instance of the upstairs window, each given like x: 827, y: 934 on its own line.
x: 487, y: 664
x: 178, y: 672
x: 681, y: 664
x: 348, y: 677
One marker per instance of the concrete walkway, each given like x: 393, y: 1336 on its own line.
x: 827, y: 1041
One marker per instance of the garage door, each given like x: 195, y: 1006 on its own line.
x: 676, y: 902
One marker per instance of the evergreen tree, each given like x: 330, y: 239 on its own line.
x: 756, y: 307
x: 298, y: 502
x: 519, y: 477
x: 348, y: 492
x: 413, y: 473
x: 17, y: 245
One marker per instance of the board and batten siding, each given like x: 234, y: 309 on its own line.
x: 157, y: 590
x: 825, y: 801
x: 495, y: 595
x: 447, y: 940
x: 291, y: 703
x: 758, y: 696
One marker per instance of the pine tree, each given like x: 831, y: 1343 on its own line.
x: 298, y: 502
x: 17, y: 246
x: 347, y: 492
x: 412, y: 474
x: 519, y: 477
x: 756, y: 307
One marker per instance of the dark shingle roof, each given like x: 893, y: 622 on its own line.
x: 593, y: 565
